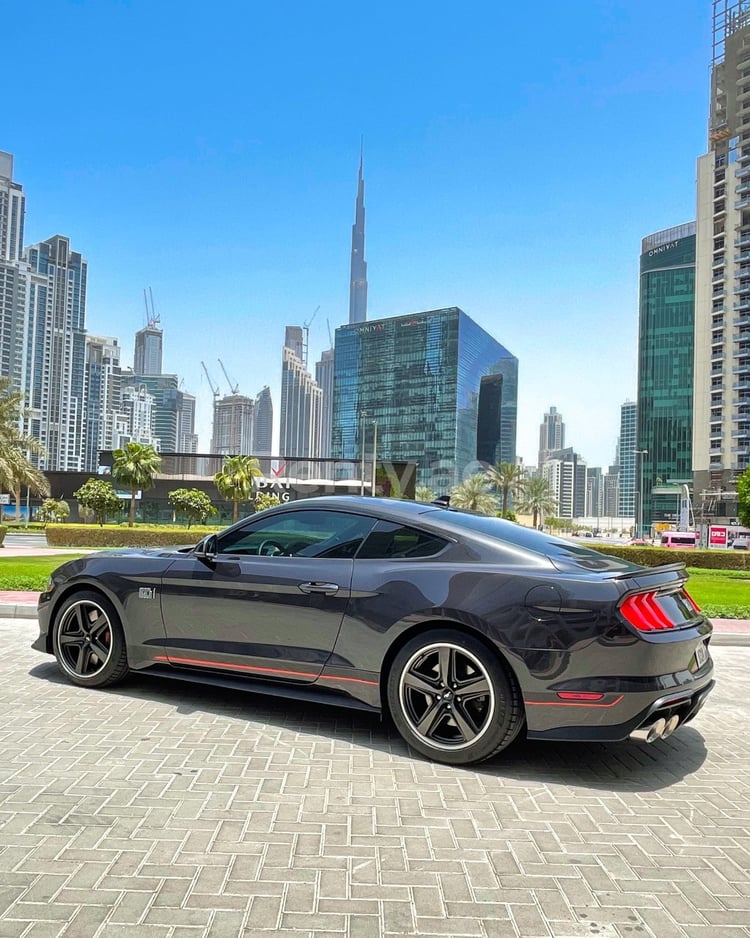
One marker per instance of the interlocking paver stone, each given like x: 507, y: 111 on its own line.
x: 162, y: 810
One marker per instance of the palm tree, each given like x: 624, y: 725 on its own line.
x: 507, y: 478
x: 423, y: 493
x: 23, y: 474
x: 16, y: 469
x: 537, y: 499
x: 234, y: 481
x: 472, y: 493
x: 135, y: 466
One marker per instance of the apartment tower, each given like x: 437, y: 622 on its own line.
x: 721, y: 396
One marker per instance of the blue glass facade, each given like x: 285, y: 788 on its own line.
x: 441, y: 390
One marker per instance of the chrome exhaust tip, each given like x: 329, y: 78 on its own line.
x: 649, y: 734
x: 672, y: 723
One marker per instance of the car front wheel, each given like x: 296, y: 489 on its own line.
x: 88, y: 641
x: 452, y: 699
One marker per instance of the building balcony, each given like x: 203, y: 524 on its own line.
x: 742, y: 304
x: 743, y: 241
x: 744, y: 256
x: 742, y: 203
x: 741, y: 189
x: 742, y: 288
x: 743, y: 369
x: 741, y: 321
x: 743, y: 385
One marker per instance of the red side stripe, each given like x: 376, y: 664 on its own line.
x: 199, y: 662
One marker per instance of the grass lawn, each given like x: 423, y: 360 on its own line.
x: 30, y: 573
x: 723, y: 594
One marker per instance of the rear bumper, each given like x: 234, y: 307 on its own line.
x: 683, y: 703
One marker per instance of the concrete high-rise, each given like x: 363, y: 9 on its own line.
x: 12, y: 211
x: 14, y: 278
x: 263, y: 424
x: 233, y: 426
x: 358, y: 267
x: 147, y: 357
x: 629, y: 459
x: 187, y: 437
x: 721, y: 397
x: 103, y: 394
x: 665, y: 365
x: 551, y: 435
x: 324, y: 378
x: 301, y: 409
x: 55, y: 381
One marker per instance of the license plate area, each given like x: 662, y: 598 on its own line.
x: 701, y: 656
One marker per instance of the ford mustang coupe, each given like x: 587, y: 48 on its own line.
x: 466, y: 630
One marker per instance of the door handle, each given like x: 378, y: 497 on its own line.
x: 318, y: 587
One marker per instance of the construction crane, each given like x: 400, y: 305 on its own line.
x: 152, y: 320
x: 306, y: 333
x: 234, y: 388
x: 214, y: 390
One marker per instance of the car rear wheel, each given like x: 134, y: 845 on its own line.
x: 88, y: 641
x: 452, y: 699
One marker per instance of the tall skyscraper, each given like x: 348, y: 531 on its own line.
x: 301, y: 407
x: 147, y: 358
x: 263, y: 424
x: 565, y: 472
x: 630, y: 460
x: 14, y: 278
x: 166, y: 408
x: 233, y: 426
x: 187, y: 437
x: 551, y: 435
x: 358, y: 275
x: 441, y: 390
x: 56, y: 353
x: 721, y: 400
x: 12, y: 211
x: 665, y: 364
x: 103, y: 397
x: 324, y: 378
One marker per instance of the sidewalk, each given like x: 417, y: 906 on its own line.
x: 21, y: 605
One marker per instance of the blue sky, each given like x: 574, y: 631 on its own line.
x: 515, y: 155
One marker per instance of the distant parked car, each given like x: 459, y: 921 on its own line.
x: 639, y: 542
x: 741, y: 543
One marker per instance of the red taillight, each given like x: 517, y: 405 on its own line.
x: 642, y: 610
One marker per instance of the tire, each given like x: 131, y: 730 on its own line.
x: 88, y: 641
x: 452, y: 699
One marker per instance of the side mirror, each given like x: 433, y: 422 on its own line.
x: 206, y: 549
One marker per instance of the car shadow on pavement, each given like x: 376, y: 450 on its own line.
x: 619, y: 767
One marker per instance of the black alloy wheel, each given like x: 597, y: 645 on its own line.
x: 88, y: 641
x: 452, y: 699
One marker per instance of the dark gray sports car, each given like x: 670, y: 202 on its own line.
x: 467, y: 630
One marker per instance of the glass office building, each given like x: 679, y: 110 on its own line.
x: 665, y: 366
x: 432, y: 387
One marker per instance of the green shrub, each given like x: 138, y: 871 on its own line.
x: 86, y: 535
x: 655, y: 556
x: 3, y: 531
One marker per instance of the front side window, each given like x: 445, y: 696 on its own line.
x: 333, y: 534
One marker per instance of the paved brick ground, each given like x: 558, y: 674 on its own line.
x: 161, y: 810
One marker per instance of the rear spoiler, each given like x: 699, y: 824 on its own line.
x: 647, y: 571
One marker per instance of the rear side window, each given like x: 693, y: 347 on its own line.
x: 389, y: 541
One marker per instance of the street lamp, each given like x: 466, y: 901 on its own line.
x: 374, y: 453
x: 639, y: 530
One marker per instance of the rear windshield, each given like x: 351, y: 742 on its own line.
x: 565, y: 555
